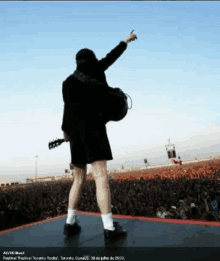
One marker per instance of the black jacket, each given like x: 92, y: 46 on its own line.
x: 81, y: 101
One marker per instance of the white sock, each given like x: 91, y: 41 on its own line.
x: 108, y: 221
x: 71, y: 218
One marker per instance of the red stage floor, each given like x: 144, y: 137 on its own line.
x: 148, y: 233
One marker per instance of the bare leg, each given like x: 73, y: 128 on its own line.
x: 102, y: 187
x: 76, y: 190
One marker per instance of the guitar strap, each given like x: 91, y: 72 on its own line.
x: 93, y: 82
x: 87, y: 79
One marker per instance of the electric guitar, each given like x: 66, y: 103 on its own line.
x: 55, y: 143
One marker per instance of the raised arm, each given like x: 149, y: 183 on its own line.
x: 111, y: 57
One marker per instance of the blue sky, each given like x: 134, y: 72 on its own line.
x: 171, y: 73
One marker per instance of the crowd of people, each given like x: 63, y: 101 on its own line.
x: 180, y: 198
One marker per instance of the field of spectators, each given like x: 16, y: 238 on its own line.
x: 190, y: 191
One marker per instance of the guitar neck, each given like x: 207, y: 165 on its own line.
x: 55, y: 143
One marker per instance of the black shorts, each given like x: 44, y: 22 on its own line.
x: 89, y: 142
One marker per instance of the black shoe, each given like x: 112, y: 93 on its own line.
x: 71, y: 230
x: 119, y: 232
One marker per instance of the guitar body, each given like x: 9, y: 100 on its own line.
x: 114, y: 106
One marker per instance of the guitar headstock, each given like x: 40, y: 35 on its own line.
x: 55, y: 143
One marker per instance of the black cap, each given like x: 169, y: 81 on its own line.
x: 84, y: 55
